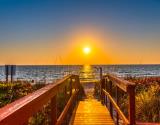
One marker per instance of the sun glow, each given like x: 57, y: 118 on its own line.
x: 86, y: 50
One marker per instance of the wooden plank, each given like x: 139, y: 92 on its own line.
x: 92, y: 112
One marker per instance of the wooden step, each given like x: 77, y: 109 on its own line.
x: 92, y: 112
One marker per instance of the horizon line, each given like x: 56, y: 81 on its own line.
x: 79, y: 64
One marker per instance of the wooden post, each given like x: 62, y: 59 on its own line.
x: 12, y: 73
x: 77, y: 82
x: 110, y: 91
x: 106, y: 82
x: 131, y: 91
x: 70, y: 84
x: 6, y: 72
x: 54, y: 110
x: 65, y: 94
x: 102, y: 87
x: 117, y: 100
x: 101, y: 73
x: 77, y: 87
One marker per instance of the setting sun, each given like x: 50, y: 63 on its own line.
x: 86, y: 50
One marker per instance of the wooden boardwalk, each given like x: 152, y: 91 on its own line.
x: 92, y: 112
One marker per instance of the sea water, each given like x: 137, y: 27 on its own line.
x: 49, y: 73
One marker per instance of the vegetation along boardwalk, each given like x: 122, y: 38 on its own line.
x: 77, y: 109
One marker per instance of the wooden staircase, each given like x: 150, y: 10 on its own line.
x: 92, y: 112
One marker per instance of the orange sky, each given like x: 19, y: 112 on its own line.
x: 55, y: 32
x: 105, y: 49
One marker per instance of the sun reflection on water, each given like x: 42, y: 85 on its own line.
x: 87, y: 72
x: 87, y: 78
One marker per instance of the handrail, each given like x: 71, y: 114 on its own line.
x: 22, y: 109
x: 125, y: 86
x: 122, y: 84
x: 68, y: 105
x: 117, y: 108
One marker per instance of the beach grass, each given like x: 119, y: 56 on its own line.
x: 147, y: 98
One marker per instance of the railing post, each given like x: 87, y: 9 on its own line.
x: 131, y: 91
x: 106, y: 101
x: 70, y: 87
x: 117, y: 101
x: 78, y: 87
x: 110, y: 91
x: 11, y: 74
x: 54, y: 110
x: 6, y: 73
x: 65, y: 94
x: 102, y: 87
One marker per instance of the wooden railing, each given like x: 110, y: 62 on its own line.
x: 18, y: 112
x: 110, y: 85
x: 107, y: 84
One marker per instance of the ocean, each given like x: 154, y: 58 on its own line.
x: 49, y: 73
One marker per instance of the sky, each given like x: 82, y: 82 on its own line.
x: 56, y: 31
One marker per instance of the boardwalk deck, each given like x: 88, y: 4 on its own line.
x: 92, y: 112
